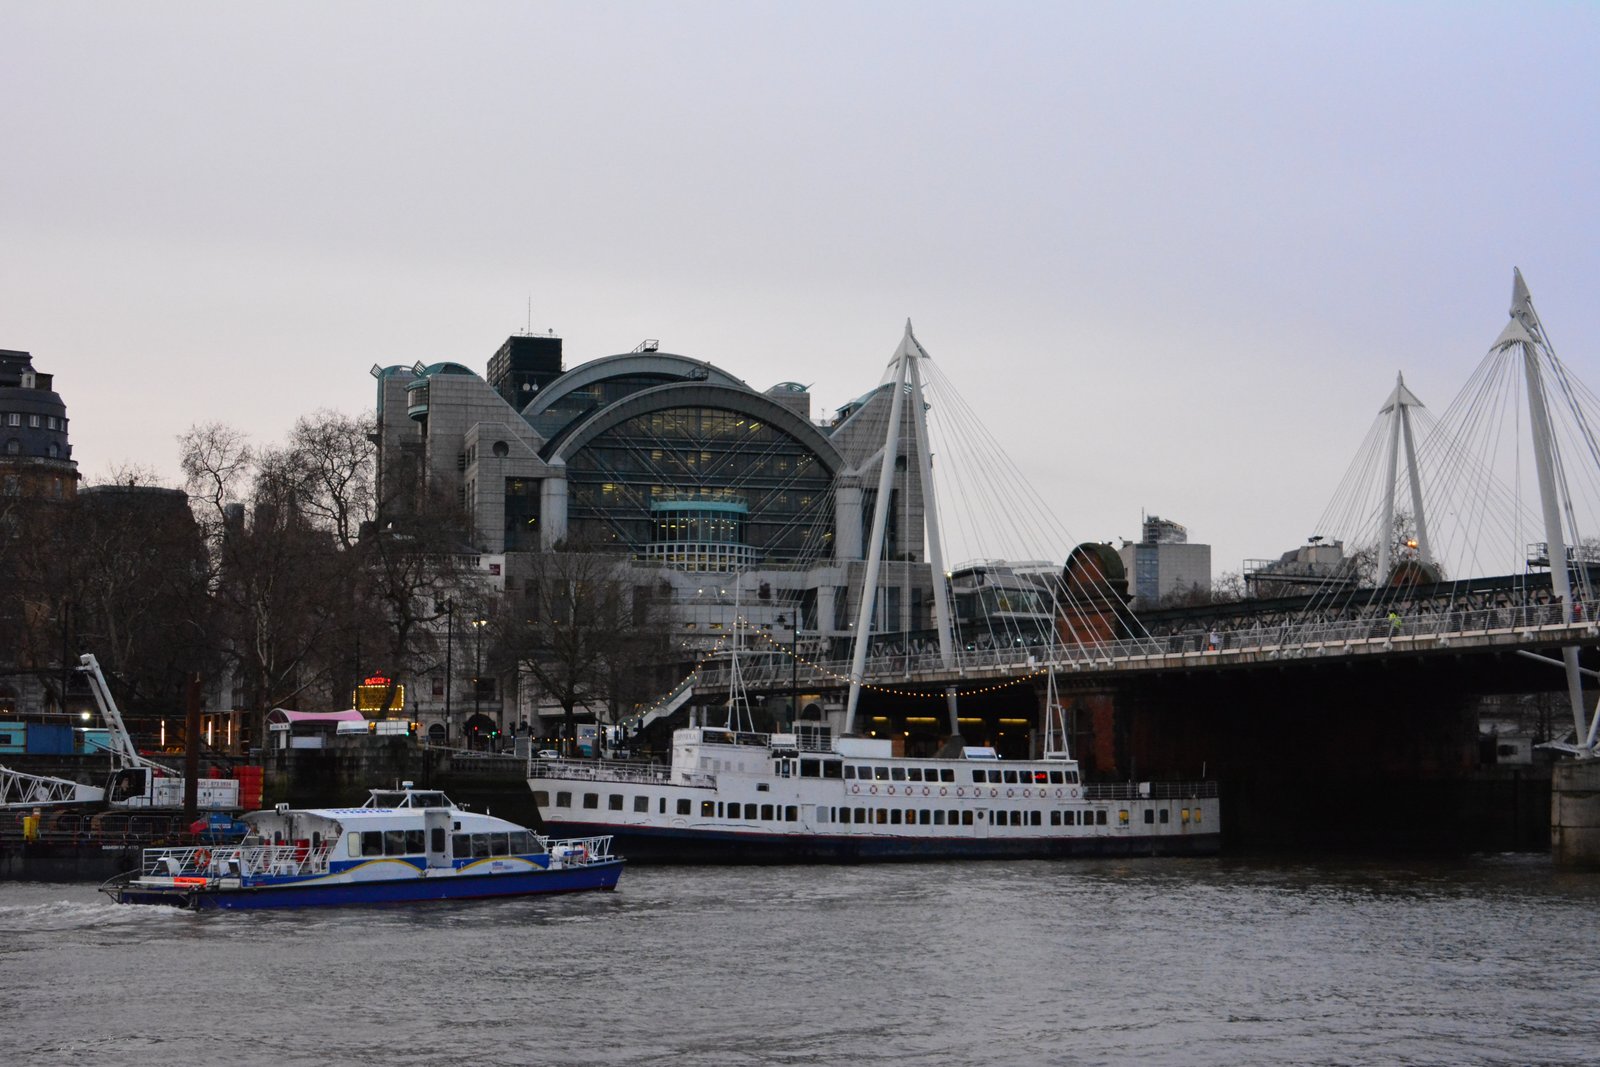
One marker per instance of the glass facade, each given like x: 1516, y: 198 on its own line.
x: 768, y: 491
x: 569, y: 409
x: 522, y: 514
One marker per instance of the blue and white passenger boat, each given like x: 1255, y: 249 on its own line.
x: 402, y: 845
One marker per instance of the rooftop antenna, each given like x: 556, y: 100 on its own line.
x: 527, y: 331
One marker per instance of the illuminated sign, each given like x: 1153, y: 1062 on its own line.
x: 377, y: 694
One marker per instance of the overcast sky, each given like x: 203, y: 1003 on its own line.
x: 1173, y: 255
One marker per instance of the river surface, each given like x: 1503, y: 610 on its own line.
x: 1492, y: 959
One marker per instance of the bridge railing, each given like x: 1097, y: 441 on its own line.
x: 775, y: 671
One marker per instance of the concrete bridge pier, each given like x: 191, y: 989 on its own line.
x: 1575, y: 814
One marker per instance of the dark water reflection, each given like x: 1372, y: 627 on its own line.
x: 1221, y: 961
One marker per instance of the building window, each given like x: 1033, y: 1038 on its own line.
x: 14, y: 419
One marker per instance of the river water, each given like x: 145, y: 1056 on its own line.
x: 1491, y: 959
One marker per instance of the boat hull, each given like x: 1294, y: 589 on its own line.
x: 690, y: 846
x: 599, y: 875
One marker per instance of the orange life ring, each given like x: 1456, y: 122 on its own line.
x: 202, y: 857
x: 961, y: 791
x: 1011, y: 792
x: 994, y: 792
x: 856, y: 788
x: 1026, y: 793
x: 873, y: 790
x: 925, y: 790
x: 943, y: 791
x: 1074, y: 793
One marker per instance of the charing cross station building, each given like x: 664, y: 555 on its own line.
x: 728, y: 500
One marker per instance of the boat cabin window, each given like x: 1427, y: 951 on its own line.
x: 1010, y: 777
x: 980, y: 776
x: 641, y: 803
x: 614, y: 802
x: 947, y: 774
x: 830, y: 768
x: 1057, y: 777
x: 524, y: 843
x: 563, y: 799
x: 810, y: 768
x: 880, y: 773
x: 437, y: 844
x: 498, y: 845
x: 683, y: 806
x: 913, y: 774
x: 480, y: 846
x: 897, y: 773
x: 591, y: 800
x: 461, y: 845
x: 850, y: 771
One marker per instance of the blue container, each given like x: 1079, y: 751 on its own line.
x: 13, y: 737
x: 92, y: 740
x: 49, y: 739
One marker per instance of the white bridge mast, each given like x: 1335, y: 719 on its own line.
x: 905, y: 373
x: 1526, y: 333
x: 1398, y: 408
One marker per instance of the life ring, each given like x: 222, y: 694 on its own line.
x: 994, y: 792
x: 943, y: 791
x: 1011, y: 792
x: 202, y: 857
x: 856, y: 788
x: 925, y: 790
x: 1074, y: 793
x: 1058, y: 794
x: 961, y: 791
x: 874, y: 790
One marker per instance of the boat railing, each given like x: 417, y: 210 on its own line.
x: 234, y: 861
x: 637, y: 772
x: 582, y: 851
x: 1148, y: 790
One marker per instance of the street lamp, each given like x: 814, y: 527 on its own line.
x: 477, y: 668
x: 794, y: 668
x: 449, y: 648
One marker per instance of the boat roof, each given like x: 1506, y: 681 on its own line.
x: 383, y: 806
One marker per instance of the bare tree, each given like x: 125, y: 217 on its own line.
x: 334, y: 455
x: 579, y: 631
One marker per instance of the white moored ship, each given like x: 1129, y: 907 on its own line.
x: 771, y: 798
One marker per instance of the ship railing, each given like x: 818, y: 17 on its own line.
x: 1148, y: 790
x: 233, y: 861
x: 582, y: 851
x: 637, y: 772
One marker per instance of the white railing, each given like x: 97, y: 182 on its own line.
x: 634, y: 772
x: 581, y: 851
x: 234, y: 861
x: 764, y: 671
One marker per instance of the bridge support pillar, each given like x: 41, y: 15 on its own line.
x: 1575, y: 813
